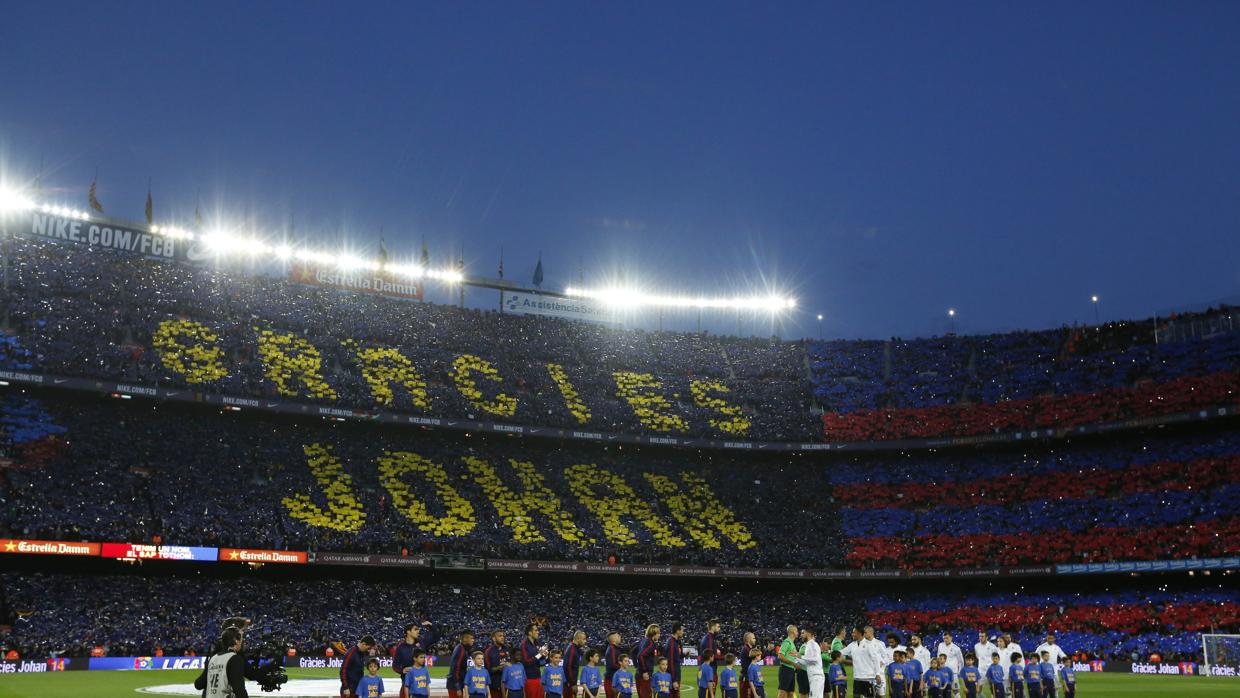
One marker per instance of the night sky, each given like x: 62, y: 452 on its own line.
x: 881, y: 163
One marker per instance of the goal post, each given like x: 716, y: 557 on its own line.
x: 1220, y: 655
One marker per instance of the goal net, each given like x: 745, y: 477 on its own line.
x: 1221, y: 655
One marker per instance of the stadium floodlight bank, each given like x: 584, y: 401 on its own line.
x: 70, y: 224
x: 1220, y: 655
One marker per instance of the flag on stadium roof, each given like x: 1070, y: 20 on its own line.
x: 538, y: 272
x: 150, y: 206
x: 92, y: 197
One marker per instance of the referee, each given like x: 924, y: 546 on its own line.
x: 837, y: 644
x: 787, y: 655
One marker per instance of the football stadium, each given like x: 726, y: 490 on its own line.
x: 250, y: 449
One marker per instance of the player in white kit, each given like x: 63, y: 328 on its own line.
x: 811, y: 661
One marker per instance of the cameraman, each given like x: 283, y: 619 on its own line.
x: 240, y: 624
x: 224, y: 674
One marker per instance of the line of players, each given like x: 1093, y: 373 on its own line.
x: 912, y: 672
x: 530, y: 670
x: 1038, y: 677
x: 653, y: 670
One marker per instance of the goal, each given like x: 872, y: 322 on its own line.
x: 1221, y: 655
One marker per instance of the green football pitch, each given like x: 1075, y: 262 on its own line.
x: 82, y: 684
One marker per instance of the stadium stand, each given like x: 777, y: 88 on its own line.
x: 134, y: 615
x: 1127, y: 624
x: 82, y: 313
x: 312, y: 484
x: 1155, y: 497
x: 73, y: 311
x: 963, y: 386
x: 76, y: 467
x: 131, y: 462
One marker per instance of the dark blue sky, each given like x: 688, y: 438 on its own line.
x: 881, y: 163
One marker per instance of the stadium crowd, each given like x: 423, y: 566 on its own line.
x: 317, y: 485
x: 131, y: 615
x: 92, y: 468
x: 135, y: 614
x: 1109, y: 625
x: 964, y: 386
x: 73, y: 311
x: 496, y: 497
x: 76, y: 312
x: 1154, y: 497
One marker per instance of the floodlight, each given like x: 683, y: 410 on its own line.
x: 632, y: 298
x: 13, y: 201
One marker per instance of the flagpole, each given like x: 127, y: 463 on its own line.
x: 425, y: 262
x: 150, y: 207
x: 92, y: 197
